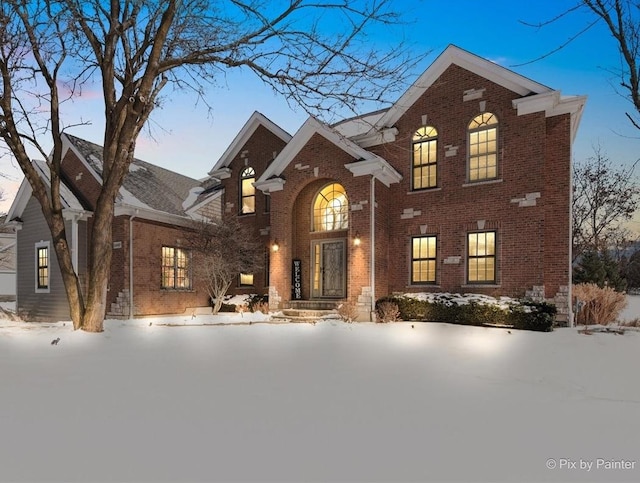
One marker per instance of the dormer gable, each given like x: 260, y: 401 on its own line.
x: 220, y: 169
x: 366, y: 162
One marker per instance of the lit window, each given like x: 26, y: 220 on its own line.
x: 331, y: 209
x: 176, y: 268
x: 425, y: 158
x: 246, y: 279
x: 247, y: 191
x: 481, y: 260
x: 423, y: 259
x: 42, y: 267
x: 483, y: 147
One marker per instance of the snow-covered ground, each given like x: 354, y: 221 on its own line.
x: 328, y: 401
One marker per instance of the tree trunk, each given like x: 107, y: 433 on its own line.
x: 69, y: 277
x: 100, y: 264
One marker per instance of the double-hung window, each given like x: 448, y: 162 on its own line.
x: 423, y: 259
x: 176, y: 268
x: 424, y: 169
x: 42, y: 267
x: 483, y: 147
x: 481, y: 257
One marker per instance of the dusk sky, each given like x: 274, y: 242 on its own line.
x: 190, y: 142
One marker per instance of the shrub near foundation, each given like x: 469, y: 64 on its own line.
x: 598, y: 305
x: 523, y: 314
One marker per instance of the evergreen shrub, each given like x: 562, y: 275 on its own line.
x: 520, y: 314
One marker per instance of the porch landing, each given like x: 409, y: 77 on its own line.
x: 309, y: 310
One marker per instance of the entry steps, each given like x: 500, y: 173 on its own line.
x: 309, y: 310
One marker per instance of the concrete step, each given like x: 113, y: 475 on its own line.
x: 305, y: 315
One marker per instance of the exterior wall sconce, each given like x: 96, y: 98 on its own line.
x: 356, y: 239
x: 275, y: 246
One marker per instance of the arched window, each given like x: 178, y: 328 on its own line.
x: 331, y: 209
x: 425, y: 158
x: 247, y: 191
x: 483, y: 147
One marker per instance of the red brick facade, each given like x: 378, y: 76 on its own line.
x: 527, y: 205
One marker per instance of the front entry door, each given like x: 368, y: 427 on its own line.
x: 329, y: 267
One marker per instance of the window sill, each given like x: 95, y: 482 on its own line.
x: 481, y: 285
x: 242, y: 215
x: 426, y: 190
x: 424, y: 285
x: 177, y: 290
x: 482, y: 183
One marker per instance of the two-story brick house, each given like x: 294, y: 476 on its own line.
x: 463, y: 185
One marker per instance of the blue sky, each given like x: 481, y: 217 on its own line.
x: 187, y: 140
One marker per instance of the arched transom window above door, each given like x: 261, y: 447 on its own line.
x: 331, y: 209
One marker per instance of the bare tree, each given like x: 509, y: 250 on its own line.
x: 622, y: 17
x: 604, y: 199
x: 314, y: 52
x: 223, y: 251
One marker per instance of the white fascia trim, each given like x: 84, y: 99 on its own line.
x: 220, y: 173
x: 553, y: 104
x: 471, y: 62
x: 310, y: 127
x: 270, y: 185
x: 25, y: 191
x: 376, y: 167
x: 152, y: 215
x: 79, y: 215
x: 376, y: 138
x: 20, y: 201
x: 243, y: 136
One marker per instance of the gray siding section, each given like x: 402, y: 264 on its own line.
x: 51, y: 306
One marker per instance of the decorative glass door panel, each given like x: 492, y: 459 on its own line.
x: 329, y: 267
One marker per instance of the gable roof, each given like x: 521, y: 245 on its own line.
x: 146, y: 186
x: 257, y: 119
x: 271, y: 181
x: 69, y: 201
x: 533, y: 96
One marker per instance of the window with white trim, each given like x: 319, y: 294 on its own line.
x: 424, y: 259
x: 483, y: 147
x: 481, y: 257
x: 43, y: 274
x: 424, y: 169
x: 247, y: 191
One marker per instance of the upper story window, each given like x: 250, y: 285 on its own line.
x: 247, y: 191
x: 483, y: 147
x: 425, y: 158
x: 331, y: 209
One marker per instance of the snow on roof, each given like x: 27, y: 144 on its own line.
x: 146, y: 185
